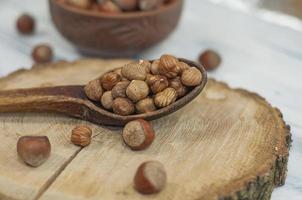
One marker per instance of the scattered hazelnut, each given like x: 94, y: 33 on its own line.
x: 126, y: 5
x: 109, y: 7
x: 42, y: 53
x: 150, y: 4
x: 119, y: 90
x: 84, y: 4
x: 122, y: 106
x: 191, y: 77
x: 154, y: 67
x: 107, y: 100
x: 150, y: 177
x: 25, y: 24
x: 109, y: 80
x: 165, y: 98
x: 137, y: 90
x: 81, y: 135
x: 33, y: 150
x: 138, y: 134
x: 178, y: 86
x: 145, y: 106
x: 210, y: 60
x: 94, y: 90
x: 134, y: 71
x: 159, y: 84
x: 168, y: 66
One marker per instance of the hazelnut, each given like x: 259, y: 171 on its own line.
x: 154, y: 67
x: 150, y: 177
x: 94, y: 90
x: 191, y: 77
x: 81, y: 135
x: 42, y: 53
x: 119, y: 90
x: 183, y: 66
x: 165, y: 98
x: 138, y: 134
x: 159, y: 84
x: 150, y: 4
x: 122, y: 106
x: 126, y: 5
x: 25, y: 24
x: 145, y: 106
x: 108, y: 7
x: 137, y: 90
x: 210, y: 60
x: 33, y: 150
x: 109, y: 80
x: 134, y: 71
x: 178, y: 86
x: 146, y: 64
x: 107, y: 100
x: 168, y: 66
x: 84, y: 4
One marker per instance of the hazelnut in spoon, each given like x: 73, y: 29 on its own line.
x: 86, y: 102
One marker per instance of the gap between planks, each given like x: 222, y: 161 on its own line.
x: 53, y: 178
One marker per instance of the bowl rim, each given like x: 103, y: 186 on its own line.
x: 137, y: 14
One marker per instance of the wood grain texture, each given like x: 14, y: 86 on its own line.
x: 227, y: 144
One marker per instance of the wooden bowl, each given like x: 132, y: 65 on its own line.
x: 115, y: 35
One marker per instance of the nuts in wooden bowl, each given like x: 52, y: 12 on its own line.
x: 142, y: 87
x: 116, y: 6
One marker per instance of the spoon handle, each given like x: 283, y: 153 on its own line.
x: 62, y: 99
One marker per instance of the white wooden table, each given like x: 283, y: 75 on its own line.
x: 258, y: 54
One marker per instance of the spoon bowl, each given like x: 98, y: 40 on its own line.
x: 72, y: 101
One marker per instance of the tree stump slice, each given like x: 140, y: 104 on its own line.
x: 226, y: 144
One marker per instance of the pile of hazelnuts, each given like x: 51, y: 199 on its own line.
x: 144, y: 86
x: 116, y: 6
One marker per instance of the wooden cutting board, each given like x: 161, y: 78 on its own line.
x: 226, y: 144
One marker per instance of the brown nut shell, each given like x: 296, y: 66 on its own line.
x: 94, y: 90
x: 137, y: 90
x: 191, y: 77
x: 81, y: 135
x: 154, y: 67
x: 107, y: 100
x: 165, y: 98
x: 168, y: 66
x: 134, y: 71
x: 119, y: 90
x: 109, y: 80
x: 210, y: 59
x: 145, y: 106
x: 150, y: 177
x: 25, y: 24
x: 183, y: 66
x: 178, y: 86
x: 146, y: 64
x: 34, y: 150
x: 138, y: 134
x: 159, y: 85
x: 123, y: 106
x: 109, y: 7
x: 42, y: 53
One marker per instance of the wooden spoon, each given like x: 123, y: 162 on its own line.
x: 71, y: 100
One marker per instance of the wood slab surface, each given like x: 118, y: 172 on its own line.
x: 226, y: 144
